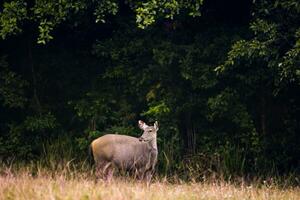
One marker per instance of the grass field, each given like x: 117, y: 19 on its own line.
x: 46, y: 185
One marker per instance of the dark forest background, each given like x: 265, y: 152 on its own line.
x: 221, y: 77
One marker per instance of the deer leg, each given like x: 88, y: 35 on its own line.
x: 98, y: 170
x: 148, y: 177
x: 101, y: 169
x: 140, y: 173
x: 108, y: 172
x: 135, y: 173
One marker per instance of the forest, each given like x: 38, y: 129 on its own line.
x: 222, y: 78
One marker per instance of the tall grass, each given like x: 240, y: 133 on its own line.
x: 64, y: 155
x: 20, y: 183
x: 61, y: 173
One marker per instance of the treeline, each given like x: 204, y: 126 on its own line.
x: 224, y: 86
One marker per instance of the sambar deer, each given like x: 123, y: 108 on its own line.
x: 138, y: 155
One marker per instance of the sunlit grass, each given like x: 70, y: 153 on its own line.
x: 45, y: 184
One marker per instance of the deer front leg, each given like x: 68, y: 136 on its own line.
x: 139, y: 174
x: 148, y: 177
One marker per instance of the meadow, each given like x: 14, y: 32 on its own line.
x: 70, y: 183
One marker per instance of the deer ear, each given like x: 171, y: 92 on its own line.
x: 156, y: 125
x: 142, y: 125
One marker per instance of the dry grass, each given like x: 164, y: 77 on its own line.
x: 45, y: 185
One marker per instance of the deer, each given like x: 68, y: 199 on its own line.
x: 126, y: 153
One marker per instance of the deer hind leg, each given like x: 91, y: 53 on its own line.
x: 109, y: 172
x: 99, y: 168
x: 102, y: 169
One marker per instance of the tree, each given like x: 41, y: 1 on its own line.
x: 265, y: 69
x: 46, y: 15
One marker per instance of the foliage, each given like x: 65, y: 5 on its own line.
x: 275, y: 43
x: 11, y: 16
x: 12, y: 91
x: 12, y: 87
x: 257, y: 64
x: 47, y: 15
x: 148, y: 12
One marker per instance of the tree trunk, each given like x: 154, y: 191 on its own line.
x: 264, y: 94
x: 36, y: 100
x: 263, y: 119
x: 188, y: 133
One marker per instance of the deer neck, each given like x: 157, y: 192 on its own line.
x: 153, y: 143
